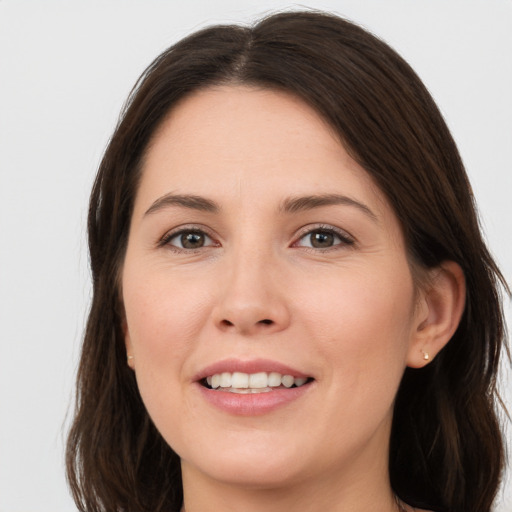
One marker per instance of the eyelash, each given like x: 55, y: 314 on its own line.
x: 345, y: 240
x: 168, y: 237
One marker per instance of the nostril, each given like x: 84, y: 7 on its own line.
x: 244, y: 326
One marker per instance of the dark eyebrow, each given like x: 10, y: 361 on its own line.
x: 297, y: 204
x: 185, y: 201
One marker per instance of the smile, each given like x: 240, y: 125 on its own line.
x: 245, y: 383
x: 252, y: 387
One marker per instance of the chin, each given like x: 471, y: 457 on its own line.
x: 252, y: 464
x: 249, y: 476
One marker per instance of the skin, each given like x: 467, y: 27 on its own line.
x: 348, y: 315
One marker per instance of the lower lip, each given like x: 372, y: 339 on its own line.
x: 252, y: 404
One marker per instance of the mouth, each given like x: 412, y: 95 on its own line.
x: 252, y: 387
x: 253, y: 383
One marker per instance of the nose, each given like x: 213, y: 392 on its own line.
x: 252, y: 297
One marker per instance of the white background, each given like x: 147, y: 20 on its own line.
x: 66, y: 68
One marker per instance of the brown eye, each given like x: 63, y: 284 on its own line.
x: 189, y: 240
x: 321, y: 239
x: 324, y: 239
x: 192, y: 240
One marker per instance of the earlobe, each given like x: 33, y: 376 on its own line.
x: 438, y: 316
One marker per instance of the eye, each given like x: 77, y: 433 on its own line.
x: 188, y: 239
x: 324, y: 238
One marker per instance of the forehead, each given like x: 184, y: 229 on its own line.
x: 237, y: 141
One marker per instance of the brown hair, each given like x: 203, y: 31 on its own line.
x: 446, y: 446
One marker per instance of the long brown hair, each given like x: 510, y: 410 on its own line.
x: 446, y: 449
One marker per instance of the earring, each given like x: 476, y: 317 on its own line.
x: 426, y: 357
x: 129, y: 360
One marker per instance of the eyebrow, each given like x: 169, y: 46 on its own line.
x: 185, y: 201
x: 289, y: 205
x: 302, y: 203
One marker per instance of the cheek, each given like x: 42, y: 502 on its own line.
x: 361, y: 301
x: 162, y: 313
x: 164, y: 318
x: 363, y: 323
x: 365, y: 333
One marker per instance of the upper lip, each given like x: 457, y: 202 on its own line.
x: 247, y: 366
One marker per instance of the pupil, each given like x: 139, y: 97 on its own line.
x: 192, y: 240
x: 322, y: 239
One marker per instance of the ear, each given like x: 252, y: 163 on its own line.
x: 438, y: 314
x: 128, y: 343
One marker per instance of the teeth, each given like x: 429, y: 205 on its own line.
x: 225, y: 380
x: 274, y: 379
x: 299, y: 381
x: 239, y: 382
x: 287, y: 381
x: 258, y: 380
x: 248, y: 391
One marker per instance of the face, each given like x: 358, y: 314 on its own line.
x: 269, y: 303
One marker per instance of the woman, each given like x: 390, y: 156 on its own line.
x: 293, y: 304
